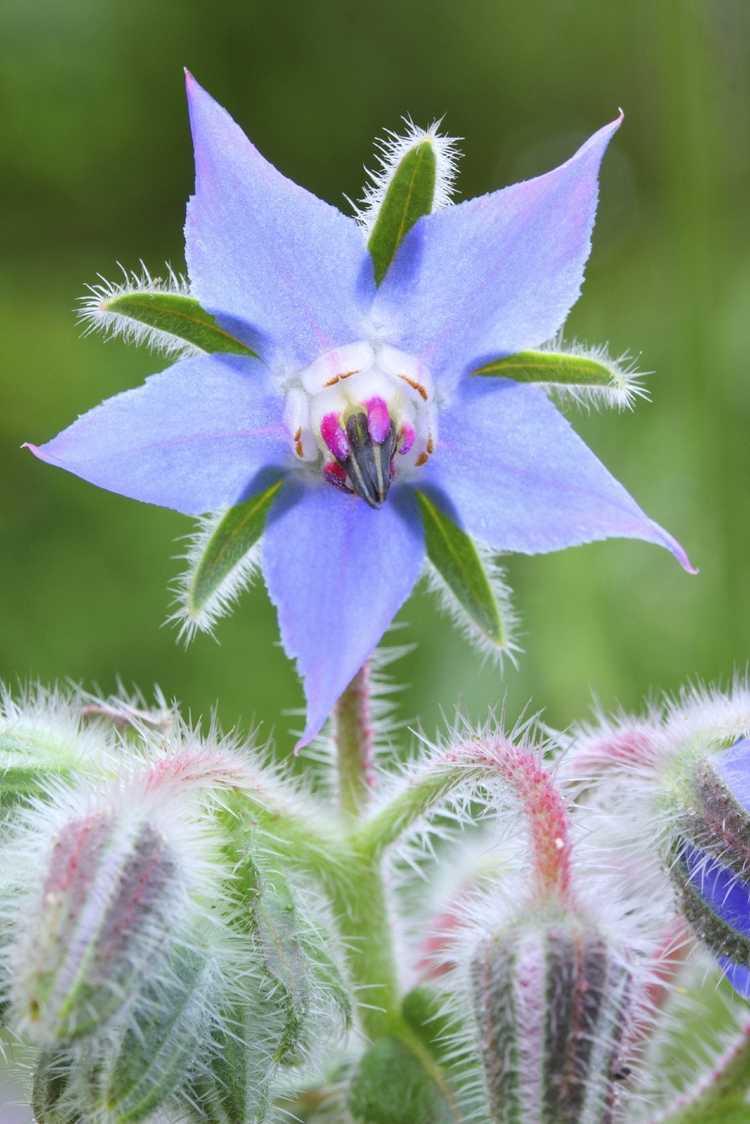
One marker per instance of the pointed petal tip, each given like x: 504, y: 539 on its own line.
x: 678, y: 551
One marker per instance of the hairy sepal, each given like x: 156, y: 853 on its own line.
x: 414, y: 177
x: 162, y: 1043
x: 588, y: 375
x: 223, y: 558
x: 468, y: 582
x: 158, y: 313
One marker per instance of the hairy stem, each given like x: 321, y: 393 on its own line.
x: 359, y: 899
x: 354, y: 744
x: 719, y: 1097
x: 484, y: 761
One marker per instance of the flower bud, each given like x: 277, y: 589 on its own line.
x: 105, y: 902
x: 710, y: 857
x: 550, y: 998
x: 392, y: 1086
x: 43, y: 741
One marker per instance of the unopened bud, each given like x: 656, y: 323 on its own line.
x: 43, y: 741
x: 102, y: 913
x: 550, y: 1001
x: 710, y: 857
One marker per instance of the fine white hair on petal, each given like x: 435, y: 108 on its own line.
x: 390, y: 149
x: 452, y: 607
x: 622, y: 393
x: 191, y: 618
x: 95, y: 316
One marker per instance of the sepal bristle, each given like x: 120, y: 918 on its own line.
x: 223, y: 558
x: 158, y: 312
x: 390, y: 152
x: 573, y: 371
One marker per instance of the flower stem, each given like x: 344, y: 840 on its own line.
x: 354, y: 744
x: 364, y: 921
x: 484, y: 762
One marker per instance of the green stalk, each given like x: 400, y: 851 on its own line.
x: 359, y: 901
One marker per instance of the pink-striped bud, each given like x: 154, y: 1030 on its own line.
x: 102, y: 911
x: 551, y: 1002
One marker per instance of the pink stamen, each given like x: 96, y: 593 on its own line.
x: 334, y: 436
x: 378, y: 419
x: 407, y: 437
x: 336, y: 475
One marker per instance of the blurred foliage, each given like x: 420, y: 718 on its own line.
x: 96, y: 169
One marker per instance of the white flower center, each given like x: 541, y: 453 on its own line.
x: 366, y: 413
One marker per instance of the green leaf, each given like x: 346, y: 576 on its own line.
x: 410, y: 194
x: 427, y: 1013
x: 459, y: 565
x: 226, y: 548
x: 178, y: 315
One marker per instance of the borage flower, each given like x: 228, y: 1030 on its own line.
x: 353, y: 386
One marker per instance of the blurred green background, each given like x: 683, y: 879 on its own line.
x: 97, y: 168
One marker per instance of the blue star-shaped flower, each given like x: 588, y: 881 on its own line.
x: 348, y: 388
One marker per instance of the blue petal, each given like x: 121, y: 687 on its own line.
x: 737, y: 975
x: 719, y: 887
x: 338, y: 572
x: 733, y: 766
x: 497, y: 274
x: 264, y: 251
x: 192, y: 438
x: 519, y: 478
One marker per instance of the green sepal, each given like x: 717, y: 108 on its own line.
x: 392, y: 1086
x: 235, y: 1089
x: 556, y: 367
x: 177, y: 315
x: 228, y: 545
x: 458, y: 563
x: 155, y: 1054
x: 409, y: 196
x: 30, y: 761
x: 277, y: 935
x: 51, y: 1100
x: 25, y: 772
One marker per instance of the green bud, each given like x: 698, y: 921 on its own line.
x: 392, y: 1086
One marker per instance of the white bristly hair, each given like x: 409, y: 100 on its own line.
x: 95, y: 315
x: 452, y: 608
x: 191, y: 618
x: 390, y: 150
x: 623, y: 392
